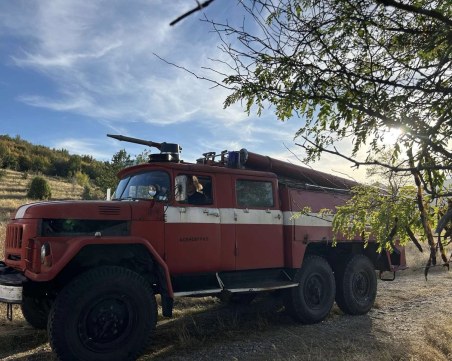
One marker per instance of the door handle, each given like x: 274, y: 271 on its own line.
x: 211, y: 213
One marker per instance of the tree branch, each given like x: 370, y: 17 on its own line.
x: 417, y: 10
x: 188, y: 13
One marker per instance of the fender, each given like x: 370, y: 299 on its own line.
x: 69, y: 248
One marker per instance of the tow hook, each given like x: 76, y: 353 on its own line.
x: 9, y: 311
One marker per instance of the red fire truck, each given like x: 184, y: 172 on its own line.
x: 88, y: 271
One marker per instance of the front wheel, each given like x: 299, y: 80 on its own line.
x: 356, y: 284
x: 107, y: 313
x: 311, y: 301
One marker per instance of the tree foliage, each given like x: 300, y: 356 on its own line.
x: 91, y: 193
x: 375, y: 213
x: 108, y: 174
x: 352, y: 70
x: 384, y: 211
x: 388, y: 211
x: 81, y: 179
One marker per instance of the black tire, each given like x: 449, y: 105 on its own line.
x: 356, y: 285
x: 311, y: 301
x: 108, y: 313
x: 36, y: 310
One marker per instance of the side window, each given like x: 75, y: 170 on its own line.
x: 254, y: 194
x: 198, y: 190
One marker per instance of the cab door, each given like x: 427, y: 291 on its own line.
x: 259, y: 224
x: 192, y: 232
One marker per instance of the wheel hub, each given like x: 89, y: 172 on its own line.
x: 313, y: 291
x: 361, y: 285
x: 107, y: 321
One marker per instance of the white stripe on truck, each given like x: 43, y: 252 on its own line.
x: 244, y: 216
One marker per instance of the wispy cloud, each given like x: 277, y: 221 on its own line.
x: 82, y: 147
x: 103, y: 65
x: 73, y: 104
x: 63, y: 60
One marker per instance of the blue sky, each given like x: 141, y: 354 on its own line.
x: 72, y: 71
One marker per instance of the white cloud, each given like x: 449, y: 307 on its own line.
x: 58, y: 105
x: 83, y: 147
x: 63, y: 60
x: 103, y: 65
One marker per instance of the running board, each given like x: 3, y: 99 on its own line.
x: 233, y: 282
x: 256, y: 280
x: 196, y: 284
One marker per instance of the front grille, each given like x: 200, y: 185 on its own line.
x: 14, y: 233
x: 19, y: 248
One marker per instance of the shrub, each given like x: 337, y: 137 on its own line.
x: 2, y: 173
x: 39, y: 189
x: 90, y: 193
x: 81, y: 179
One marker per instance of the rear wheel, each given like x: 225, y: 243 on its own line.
x: 312, y: 300
x: 356, y: 285
x: 107, y: 313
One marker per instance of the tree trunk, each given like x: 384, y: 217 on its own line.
x: 424, y: 214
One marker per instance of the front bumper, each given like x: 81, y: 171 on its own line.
x: 11, y: 282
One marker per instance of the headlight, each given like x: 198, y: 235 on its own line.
x: 45, y: 251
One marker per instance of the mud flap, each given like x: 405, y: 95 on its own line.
x: 167, y: 301
x: 396, y: 259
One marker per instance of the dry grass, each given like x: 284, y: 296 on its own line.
x: 13, y: 188
x: 13, y: 193
x: 2, y: 237
x: 415, y: 259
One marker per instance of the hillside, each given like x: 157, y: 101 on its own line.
x: 14, y: 186
x: 13, y: 193
x: 20, y: 155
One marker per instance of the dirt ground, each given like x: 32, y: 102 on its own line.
x: 411, y: 320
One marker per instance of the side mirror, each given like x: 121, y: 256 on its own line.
x: 180, y: 189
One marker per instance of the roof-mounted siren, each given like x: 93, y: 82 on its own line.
x: 169, y: 152
x: 237, y: 159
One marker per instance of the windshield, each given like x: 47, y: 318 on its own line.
x: 148, y: 185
